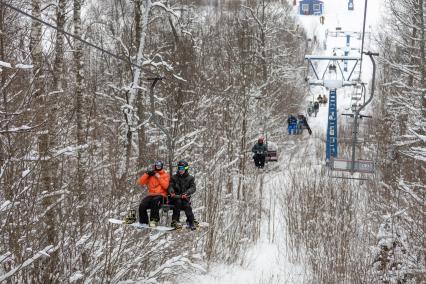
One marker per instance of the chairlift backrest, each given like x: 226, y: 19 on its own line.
x: 272, y: 146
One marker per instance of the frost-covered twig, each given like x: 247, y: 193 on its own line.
x: 43, y: 252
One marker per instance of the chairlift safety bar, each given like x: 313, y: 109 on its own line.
x: 324, y: 82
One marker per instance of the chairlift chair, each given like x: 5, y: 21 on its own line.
x: 300, y: 124
x: 350, y: 5
x: 272, y: 154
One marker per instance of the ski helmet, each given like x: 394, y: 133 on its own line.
x: 183, y: 165
x: 158, y: 165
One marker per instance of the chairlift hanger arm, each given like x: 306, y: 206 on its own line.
x: 370, y: 54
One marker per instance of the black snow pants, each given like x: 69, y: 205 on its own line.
x: 259, y: 160
x: 182, y: 204
x: 152, y: 202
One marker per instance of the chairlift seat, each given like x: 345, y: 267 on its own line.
x: 272, y: 155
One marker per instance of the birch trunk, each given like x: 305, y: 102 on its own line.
x: 141, y: 22
x: 80, y: 190
x: 423, y: 56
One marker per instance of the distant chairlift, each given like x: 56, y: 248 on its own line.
x: 311, y: 7
x: 351, y: 5
x: 349, y: 165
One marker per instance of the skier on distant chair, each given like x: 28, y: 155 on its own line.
x: 157, y: 180
x: 182, y: 186
x: 302, y: 123
x: 310, y: 108
x: 316, y: 108
x: 292, y: 125
x: 260, y: 150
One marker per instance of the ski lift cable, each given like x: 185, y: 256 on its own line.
x: 79, y: 39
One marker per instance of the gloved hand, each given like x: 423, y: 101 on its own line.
x: 184, y: 196
x: 150, y: 173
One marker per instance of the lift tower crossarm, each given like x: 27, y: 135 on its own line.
x: 334, y: 60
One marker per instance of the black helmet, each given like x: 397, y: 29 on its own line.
x: 158, y: 165
x: 183, y: 165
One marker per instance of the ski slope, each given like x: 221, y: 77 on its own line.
x: 268, y: 261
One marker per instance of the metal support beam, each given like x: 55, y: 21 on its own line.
x: 313, y: 69
x: 331, y: 147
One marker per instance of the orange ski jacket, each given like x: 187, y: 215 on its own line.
x: 156, y: 185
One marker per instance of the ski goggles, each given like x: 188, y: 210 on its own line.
x: 158, y: 165
x: 183, y: 168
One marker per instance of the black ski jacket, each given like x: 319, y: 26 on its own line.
x: 291, y: 120
x: 182, y: 184
x: 259, y: 149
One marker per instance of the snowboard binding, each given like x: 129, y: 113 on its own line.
x: 177, y: 225
x: 131, y: 217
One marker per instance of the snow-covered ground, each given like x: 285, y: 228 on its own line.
x: 268, y: 261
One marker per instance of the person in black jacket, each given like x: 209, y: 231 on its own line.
x: 316, y: 108
x: 260, y: 150
x: 182, y: 186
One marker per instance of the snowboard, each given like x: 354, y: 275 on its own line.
x: 200, y: 225
x: 138, y: 225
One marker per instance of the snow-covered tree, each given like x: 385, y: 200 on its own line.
x: 403, y: 151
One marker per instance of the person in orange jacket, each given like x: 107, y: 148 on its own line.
x: 157, y: 180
